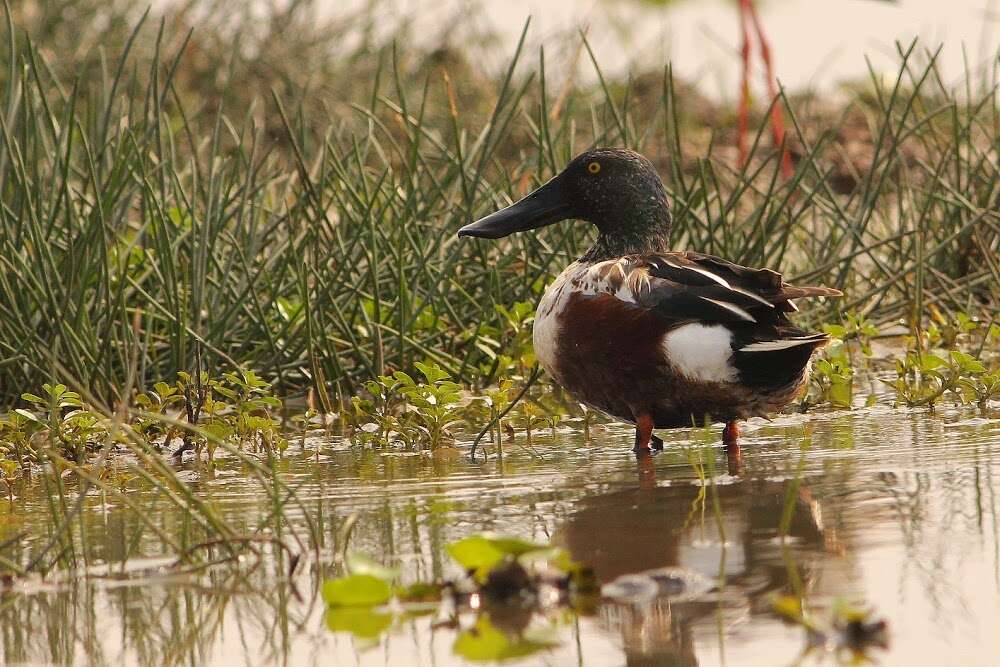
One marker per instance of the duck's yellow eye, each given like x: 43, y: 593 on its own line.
x: 594, y: 167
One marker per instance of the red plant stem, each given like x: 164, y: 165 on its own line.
x: 777, y: 117
x: 743, y: 111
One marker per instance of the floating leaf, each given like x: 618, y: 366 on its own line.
x: 362, y: 622
x: 356, y: 590
x: 483, y: 551
x: 484, y: 643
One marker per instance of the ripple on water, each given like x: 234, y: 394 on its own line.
x: 895, y: 509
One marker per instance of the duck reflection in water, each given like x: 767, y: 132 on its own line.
x: 673, y: 529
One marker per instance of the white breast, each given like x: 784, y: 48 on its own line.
x: 545, y: 333
x: 702, y: 352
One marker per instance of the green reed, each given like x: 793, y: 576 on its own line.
x: 303, y: 225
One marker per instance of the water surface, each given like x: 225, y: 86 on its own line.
x: 890, y: 509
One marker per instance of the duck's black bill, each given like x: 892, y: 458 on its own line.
x: 544, y: 206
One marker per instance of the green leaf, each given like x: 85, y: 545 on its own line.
x: 835, y: 330
x: 362, y: 622
x: 840, y: 394
x: 481, y: 552
x: 404, y: 378
x: 228, y: 393
x: 218, y: 430
x: 28, y: 415
x: 432, y: 372
x: 33, y: 398
x: 930, y: 361
x: 356, y: 590
x: 484, y: 643
x: 967, y: 362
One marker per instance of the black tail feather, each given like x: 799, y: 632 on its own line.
x: 777, y: 363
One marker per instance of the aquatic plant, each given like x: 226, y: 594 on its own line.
x: 415, y: 413
x: 60, y: 417
x: 832, y: 377
x: 926, y: 374
x: 833, y: 373
x: 499, y: 570
x: 850, y: 629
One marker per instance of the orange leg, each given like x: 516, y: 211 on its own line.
x: 643, y: 434
x: 731, y: 439
x: 731, y: 434
x: 647, y: 473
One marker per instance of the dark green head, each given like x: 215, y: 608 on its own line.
x: 615, y: 189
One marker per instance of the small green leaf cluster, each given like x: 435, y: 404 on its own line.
x: 922, y: 378
x: 156, y: 403
x: 58, y: 418
x: 414, y: 413
x: 833, y: 373
x: 832, y: 377
x: 506, y: 347
x: 239, y: 407
x: 849, y: 629
x: 934, y: 367
x: 948, y: 333
x: 854, y: 327
x: 499, y: 569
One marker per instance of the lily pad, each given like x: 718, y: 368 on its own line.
x: 485, y: 643
x: 481, y: 552
x: 362, y: 622
x: 356, y: 590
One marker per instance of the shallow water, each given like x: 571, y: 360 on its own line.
x: 890, y: 509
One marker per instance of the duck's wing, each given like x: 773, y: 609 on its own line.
x: 661, y: 293
x: 691, y: 287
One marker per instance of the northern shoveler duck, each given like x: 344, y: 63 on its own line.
x: 657, y: 338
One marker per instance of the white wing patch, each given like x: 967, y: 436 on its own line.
x: 697, y: 269
x: 701, y: 352
x: 731, y: 307
x: 772, y: 345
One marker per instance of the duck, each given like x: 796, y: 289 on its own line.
x: 655, y: 337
